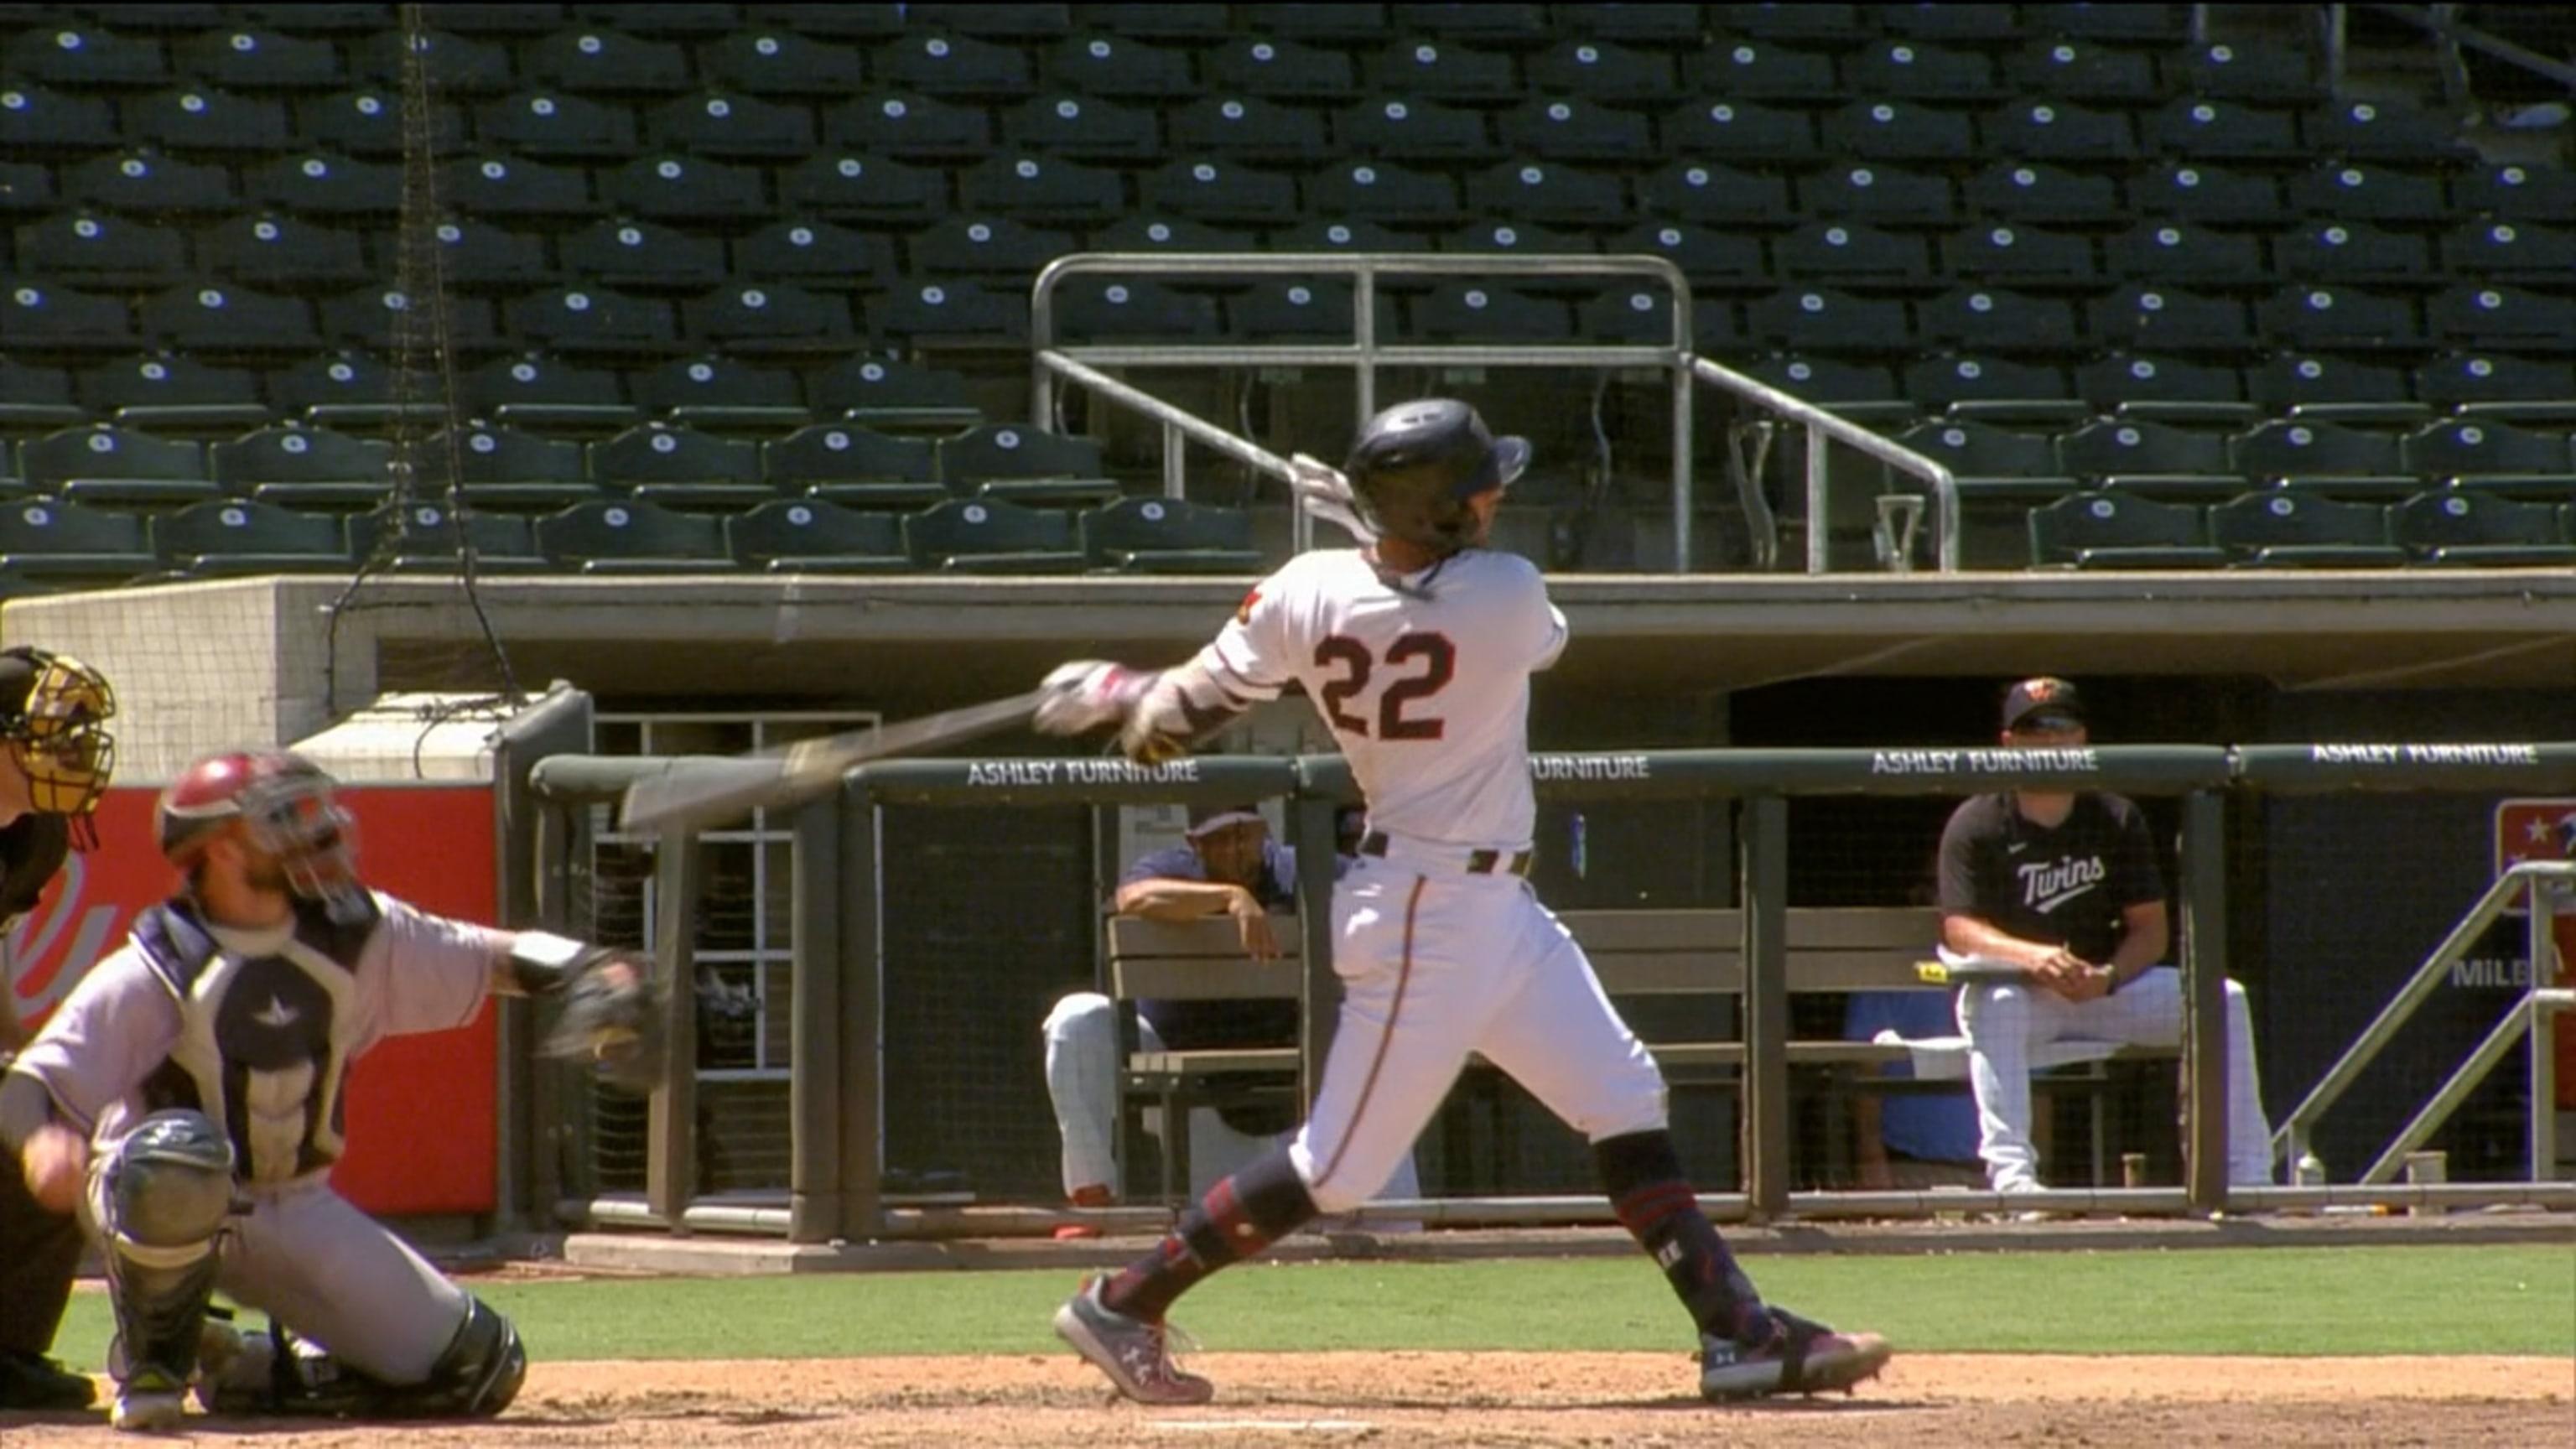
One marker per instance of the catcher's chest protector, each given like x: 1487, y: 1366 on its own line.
x: 265, y: 1045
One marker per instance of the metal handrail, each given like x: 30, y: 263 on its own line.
x: 1177, y: 422
x: 1822, y: 426
x: 1364, y: 353
x: 2291, y: 1138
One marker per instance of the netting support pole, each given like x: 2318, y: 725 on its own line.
x: 671, y: 1119
x: 1765, y: 896
x: 2204, y: 980
x: 860, y: 1079
x: 815, y: 984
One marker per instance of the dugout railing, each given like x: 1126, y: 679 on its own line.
x: 835, y: 1192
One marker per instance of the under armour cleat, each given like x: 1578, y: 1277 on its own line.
x: 234, y: 1369
x: 1799, y: 1357
x: 149, y: 1403
x: 1134, y: 1353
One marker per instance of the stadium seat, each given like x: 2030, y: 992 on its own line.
x: 2474, y: 315
x: 686, y: 189
x: 1082, y: 128
x: 893, y: 396
x: 865, y: 189
x: 2498, y: 385
x: 2157, y: 319
x: 420, y: 536
x: 39, y: 122
x: 2353, y: 191
x: 958, y: 310
x: 2323, y: 455
x: 1043, y: 190
x: 37, y: 315
x: 2478, y: 530
x: 2059, y: 130
x: 1885, y: 130
x: 2081, y: 70
x: 1633, y: 313
x: 1144, y: 233
x: 1658, y: 25
x: 1295, y: 309
x: 226, y: 319
x: 26, y: 188
x: 2140, y: 456
x: 956, y: 65
x: 147, y: 183
x: 1406, y: 127
x: 1741, y: 133
x: 36, y: 399
x: 118, y: 466
x: 1842, y: 253
x: 2520, y: 193
x: 506, y: 470
x: 2040, y: 195
x: 2529, y: 253
x: 681, y: 467
x: 1191, y: 24
x: 2340, y: 319
x: 1441, y: 70
x: 1717, y: 196
x: 625, y: 536
x: 1489, y: 313
x: 991, y: 536
x: 2118, y: 531
x: 831, y: 22
x: 1490, y: 26
x: 1882, y: 195
x: 1910, y: 69
x: 1093, y: 308
x: 2488, y: 453
x: 2354, y: 254
x: 47, y: 539
x: 1348, y: 234
x: 102, y: 252
x: 1017, y: 462
x: 231, y: 537
x: 776, y: 61
x: 1761, y: 72
x: 809, y: 536
x: 368, y: 123
x: 1859, y: 391
x: 2390, y: 134
x: 1110, y: 63
x: 1711, y: 257
x: 670, y: 21
x: 2209, y: 194
x: 1168, y: 536
x: 769, y: 319
x: 478, y: 256
x: 74, y: 57
x: 1554, y: 194
x: 2165, y: 389
x: 603, y: 60
x: 815, y: 254
x: 854, y: 466
x: 1248, y: 129
x: 351, y: 391
x: 1952, y: 24
x: 633, y: 254
x: 2279, y: 528
x: 1504, y: 238
x: 316, y: 19
x: 909, y: 128
x: 309, y: 468
x: 2113, y: 24
x: 537, y: 391
x: 284, y: 254
x: 457, y: 65
x: 2335, y: 389
x: 170, y: 393
x: 245, y: 59
x: 1992, y: 389
x: 720, y: 393
x: 2273, y: 72
x: 732, y: 128
x: 2205, y: 128
x: 1382, y: 191
x: 495, y: 187
x: 1603, y: 70
x: 317, y: 185
x: 2020, y: 256
x: 1820, y: 24
x: 1279, y: 70
x: 193, y: 120
x: 989, y: 246
x: 1989, y: 462
x: 1821, y: 319
x: 593, y: 319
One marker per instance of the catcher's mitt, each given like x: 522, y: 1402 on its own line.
x: 610, y: 1015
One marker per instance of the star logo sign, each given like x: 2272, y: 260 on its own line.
x: 277, y: 1014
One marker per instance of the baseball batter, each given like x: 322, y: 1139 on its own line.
x: 188, y: 1098
x: 1418, y: 653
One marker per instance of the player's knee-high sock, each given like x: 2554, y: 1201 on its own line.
x: 1239, y: 1217
x: 1656, y: 1204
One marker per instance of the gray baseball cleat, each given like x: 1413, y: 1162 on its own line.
x: 1800, y: 1357
x: 151, y: 1402
x: 1134, y: 1353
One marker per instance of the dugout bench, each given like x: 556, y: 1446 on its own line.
x: 1636, y: 954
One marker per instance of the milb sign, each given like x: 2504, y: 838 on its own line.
x: 421, y: 1109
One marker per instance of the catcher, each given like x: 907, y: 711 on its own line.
x: 188, y: 1096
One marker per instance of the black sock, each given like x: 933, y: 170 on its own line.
x: 1657, y: 1205
x: 1239, y: 1217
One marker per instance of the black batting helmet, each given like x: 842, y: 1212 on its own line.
x: 1416, y: 465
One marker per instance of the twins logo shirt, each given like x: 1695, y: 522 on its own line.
x: 2067, y: 884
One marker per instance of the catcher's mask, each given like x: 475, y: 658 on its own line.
x: 1417, y: 465
x: 57, y: 732
x: 282, y: 804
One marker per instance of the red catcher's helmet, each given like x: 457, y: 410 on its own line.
x: 283, y: 803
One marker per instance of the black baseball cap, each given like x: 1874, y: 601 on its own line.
x: 2042, y: 702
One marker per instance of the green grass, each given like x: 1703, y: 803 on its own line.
x: 2437, y: 1300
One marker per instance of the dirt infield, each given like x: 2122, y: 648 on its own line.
x: 1482, y: 1399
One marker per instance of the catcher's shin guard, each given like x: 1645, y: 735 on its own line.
x: 476, y: 1377
x: 169, y: 1188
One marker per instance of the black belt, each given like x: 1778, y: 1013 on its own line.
x: 1479, y: 862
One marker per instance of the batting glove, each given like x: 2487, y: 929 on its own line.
x: 1089, y: 694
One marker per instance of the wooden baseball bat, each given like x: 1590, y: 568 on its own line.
x: 698, y: 794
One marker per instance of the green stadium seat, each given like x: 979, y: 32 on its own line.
x: 686, y: 189
x: 250, y: 59
x: 505, y: 470
x: 2215, y: 195
x: 850, y: 465
x: 36, y: 315
x: 2020, y: 256
x: 227, y: 319
x: 1603, y: 70
x: 1384, y: 192
x: 2525, y: 253
x: 2140, y: 456
x: 1898, y: 130
x: 1248, y: 129
x: 1329, y: 25
x: 2111, y: 24
x: 2165, y: 389
x: 1843, y: 253
x: 2210, y: 128
x: 1859, y: 391
x: 1641, y: 25
x: 2168, y: 252
x: 36, y: 399
x: 1822, y: 319
x: 593, y: 320
x: 1490, y: 313
x: 534, y: 390
x: 147, y: 183
x: 860, y: 189
x: 1143, y: 233
x: 2392, y: 134
x: 1882, y: 194
x: 38, y: 121
x: 279, y: 253
x: 2513, y: 192
x: 2149, y: 318
x: 2001, y: 320
x: 368, y: 123
x: 626, y: 536
x: 1716, y: 195
x: 2323, y: 455
x: 808, y: 536
x: 2336, y: 389
x: 2354, y: 253
x: 1493, y: 27
x: 893, y: 396
x: 1019, y: 463
x: 1992, y: 389
x: 1989, y: 462
x: 2499, y: 385
x: 113, y: 465
x: 1762, y: 72
x: 630, y: 253
x: 1402, y: 126
x: 1739, y: 132
x: 317, y: 185
x: 601, y: 59
x: 992, y: 536
x: 457, y: 64
x: 958, y: 311
x: 769, y: 319
x: 2491, y: 454
x: 2476, y: 530
x: 956, y: 64
x: 2120, y: 531
x: 2269, y: 72
x: 2353, y: 191
x: 2103, y: 75
x: 1279, y: 70
x: 1294, y: 309
x: 1916, y: 71
x: 77, y: 57
x: 776, y: 61
x: 1641, y: 315
x: 351, y: 391
x: 1953, y: 24
x: 681, y: 467
x: 1082, y: 128
x: 909, y: 128
x: 1443, y: 70
x: 194, y: 120
x: 1189, y: 24
x: 732, y: 128
x: 102, y: 252
x: 49, y: 540
x: 231, y: 537
x: 1093, y: 308
x: 1043, y: 190
x: 307, y: 468
x: 2034, y: 193
x: 664, y: 22
x: 2340, y: 319
x: 721, y: 394
x: 1111, y: 62
x: 1221, y: 193
x: 2280, y: 528
x: 1508, y: 238
x: 2475, y: 314
x: 420, y: 536
x: 169, y: 393
x: 1712, y: 258
x: 509, y: 187
x: 816, y: 255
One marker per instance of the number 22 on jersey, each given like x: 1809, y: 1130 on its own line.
x: 1417, y: 666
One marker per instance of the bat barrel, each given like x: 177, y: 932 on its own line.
x: 600, y: 779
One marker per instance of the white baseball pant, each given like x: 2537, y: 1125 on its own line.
x: 2003, y: 1023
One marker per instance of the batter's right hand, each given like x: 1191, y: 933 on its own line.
x: 1253, y: 922
x: 1087, y: 694
x: 56, y: 1160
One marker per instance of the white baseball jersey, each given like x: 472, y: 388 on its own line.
x: 1424, y: 681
